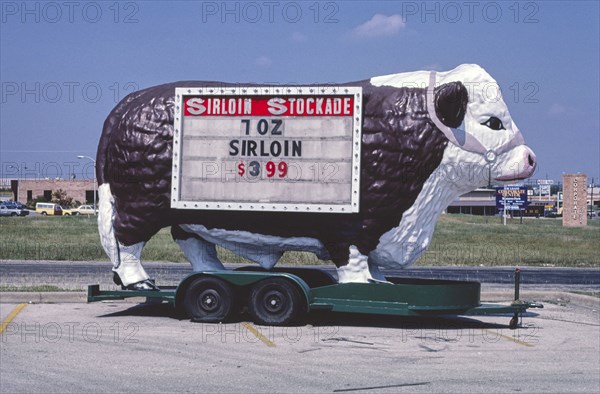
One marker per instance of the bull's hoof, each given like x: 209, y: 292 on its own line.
x: 117, y: 279
x: 145, y: 285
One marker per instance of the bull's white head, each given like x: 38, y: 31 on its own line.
x: 484, y: 139
x: 487, y: 136
x: 466, y: 105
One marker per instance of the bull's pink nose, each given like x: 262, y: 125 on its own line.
x: 524, y: 167
x: 530, y: 161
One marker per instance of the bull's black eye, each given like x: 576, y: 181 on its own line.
x: 494, y: 123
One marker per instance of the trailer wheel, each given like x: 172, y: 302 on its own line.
x: 275, y: 301
x: 208, y: 300
x: 514, y: 322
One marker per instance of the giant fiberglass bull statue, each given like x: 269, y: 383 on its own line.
x: 423, y: 133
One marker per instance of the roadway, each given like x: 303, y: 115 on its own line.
x: 77, y: 274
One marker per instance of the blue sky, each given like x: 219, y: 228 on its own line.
x: 64, y: 65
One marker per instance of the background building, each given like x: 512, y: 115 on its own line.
x: 483, y: 202
x: 81, y: 190
x: 478, y: 202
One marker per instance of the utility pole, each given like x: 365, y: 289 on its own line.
x: 504, y: 203
x: 592, y: 200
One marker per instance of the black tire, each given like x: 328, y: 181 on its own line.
x: 67, y: 214
x: 275, y: 301
x: 208, y: 300
x: 13, y: 214
x: 44, y: 213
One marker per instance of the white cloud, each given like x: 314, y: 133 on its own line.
x: 299, y: 37
x: 380, y: 26
x: 557, y: 109
x: 263, y: 61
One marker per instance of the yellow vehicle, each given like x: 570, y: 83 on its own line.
x: 48, y: 208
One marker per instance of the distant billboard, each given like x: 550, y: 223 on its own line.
x: 511, y: 198
x: 545, y: 182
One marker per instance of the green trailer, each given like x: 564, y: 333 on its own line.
x: 285, y: 295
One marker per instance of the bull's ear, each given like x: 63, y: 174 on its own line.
x: 451, y: 103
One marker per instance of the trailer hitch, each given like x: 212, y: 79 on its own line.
x: 517, y: 318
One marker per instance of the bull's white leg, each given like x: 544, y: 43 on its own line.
x: 262, y: 249
x: 202, y: 254
x: 125, y: 259
x: 129, y: 267
x: 358, y: 270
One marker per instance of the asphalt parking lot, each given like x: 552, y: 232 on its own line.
x: 128, y: 347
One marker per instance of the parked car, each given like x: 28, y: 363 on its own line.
x: 12, y: 209
x: 6, y: 211
x: 20, y: 206
x: 68, y: 212
x: 553, y: 214
x: 85, y: 210
x: 48, y: 208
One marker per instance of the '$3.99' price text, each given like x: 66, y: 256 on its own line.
x: 271, y: 169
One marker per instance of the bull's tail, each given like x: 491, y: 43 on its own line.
x: 106, y: 218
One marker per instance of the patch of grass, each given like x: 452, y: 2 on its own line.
x: 460, y: 240
x: 50, y: 238
x: 75, y: 238
x: 476, y: 240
